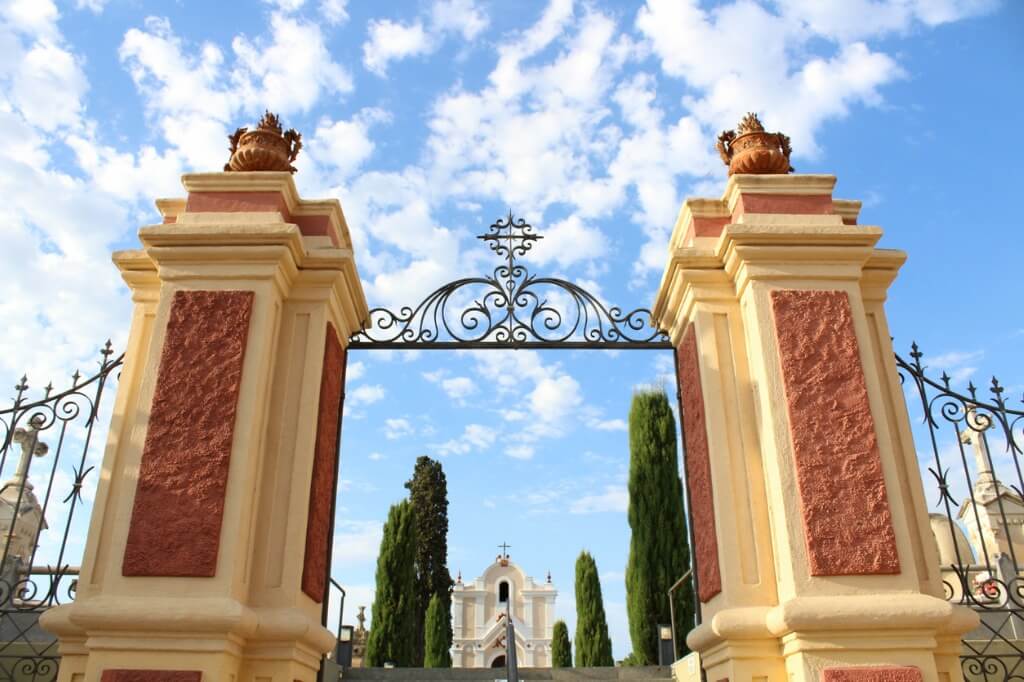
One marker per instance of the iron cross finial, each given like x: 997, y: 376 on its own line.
x: 510, y: 237
x: 504, y: 549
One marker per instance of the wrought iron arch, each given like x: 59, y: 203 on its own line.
x: 511, y: 308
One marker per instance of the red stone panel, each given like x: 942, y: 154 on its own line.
x: 797, y: 204
x: 179, y: 501
x: 124, y: 675
x: 881, y: 673
x: 698, y: 469
x: 847, y: 520
x: 241, y: 202
x: 325, y: 468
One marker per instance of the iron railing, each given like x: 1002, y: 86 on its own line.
x: 977, y: 509
x: 46, y: 458
x: 510, y: 308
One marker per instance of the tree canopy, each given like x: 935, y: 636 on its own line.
x: 593, y: 646
x: 394, y: 602
x: 659, y: 552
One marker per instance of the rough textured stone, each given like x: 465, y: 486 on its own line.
x: 325, y: 458
x: 698, y: 470
x: 882, y: 673
x: 179, y: 501
x: 847, y: 520
x: 124, y: 675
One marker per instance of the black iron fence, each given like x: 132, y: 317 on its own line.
x: 969, y: 446
x: 49, y: 449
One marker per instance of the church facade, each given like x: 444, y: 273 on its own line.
x: 478, y: 617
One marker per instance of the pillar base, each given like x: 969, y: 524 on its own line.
x: 796, y: 641
x: 219, y: 637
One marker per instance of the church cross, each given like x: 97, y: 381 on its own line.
x: 504, y: 548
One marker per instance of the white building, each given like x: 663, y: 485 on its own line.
x: 478, y: 617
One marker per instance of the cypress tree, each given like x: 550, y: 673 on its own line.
x: 394, y: 602
x: 561, y: 650
x: 428, y: 492
x: 659, y: 552
x: 593, y: 646
x: 437, y: 626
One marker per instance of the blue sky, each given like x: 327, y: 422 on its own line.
x: 429, y: 120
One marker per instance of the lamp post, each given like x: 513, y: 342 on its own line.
x: 343, y: 649
x: 666, y: 645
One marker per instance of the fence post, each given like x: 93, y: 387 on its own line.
x: 207, y: 549
x: 814, y: 556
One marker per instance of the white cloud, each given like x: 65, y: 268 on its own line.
x: 775, y: 73
x: 193, y: 94
x: 458, y: 16
x: 289, y: 73
x: 520, y: 451
x: 356, y: 542
x: 389, y: 41
x: 569, y: 241
x: 346, y: 145
x: 608, y: 424
x: 47, y: 86
x: 456, y: 388
x: 94, y: 6
x: 334, y: 11
x: 474, y: 437
x: 555, y: 397
x: 286, y: 5
x: 395, y: 428
x: 615, y: 498
x: 960, y: 366
x: 367, y: 394
x: 376, y: 456
x: 859, y: 19
x: 355, y: 371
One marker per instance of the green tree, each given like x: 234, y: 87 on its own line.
x: 438, y: 626
x: 428, y: 492
x: 659, y: 552
x: 593, y: 646
x: 561, y: 650
x: 394, y: 602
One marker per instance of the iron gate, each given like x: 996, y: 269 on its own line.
x: 47, y: 453
x: 976, y: 506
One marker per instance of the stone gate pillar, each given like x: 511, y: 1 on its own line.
x: 813, y: 552
x: 207, y: 553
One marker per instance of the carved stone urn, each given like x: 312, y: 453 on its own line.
x: 749, y: 149
x: 264, y: 149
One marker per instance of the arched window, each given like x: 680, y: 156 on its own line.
x: 502, y: 592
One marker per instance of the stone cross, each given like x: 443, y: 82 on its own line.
x: 31, y: 446
x: 974, y: 435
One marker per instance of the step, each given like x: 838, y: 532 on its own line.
x: 628, y: 673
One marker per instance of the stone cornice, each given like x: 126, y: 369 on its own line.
x: 266, y: 181
x: 793, y: 185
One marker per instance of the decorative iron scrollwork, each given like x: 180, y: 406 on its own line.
x: 510, y: 308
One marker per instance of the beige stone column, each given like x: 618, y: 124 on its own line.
x: 208, y: 546
x: 812, y: 546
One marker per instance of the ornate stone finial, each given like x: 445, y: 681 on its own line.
x: 361, y: 618
x: 264, y: 149
x: 549, y: 577
x: 749, y: 149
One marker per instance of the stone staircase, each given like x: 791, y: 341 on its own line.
x: 624, y: 674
